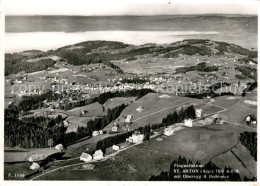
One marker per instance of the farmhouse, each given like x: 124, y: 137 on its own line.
x: 95, y: 133
x: 114, y: 128
x: 140, y: 109
x: 115, y: 147
x: 137, y: 137
x: 83, y: 112
x: 65, y: 123
x: 35, y: 166
x: 198, y: 113
x: 85, y: 157
x: 169, y: 131
x: 250, y: 119
x: 59, y: 147
x: 98, y: 155
x: 188, y: 122
x: 128, y: 118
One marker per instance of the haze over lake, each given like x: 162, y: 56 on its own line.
x: 50, y: 32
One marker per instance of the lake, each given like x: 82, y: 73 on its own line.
x: 50, y: 32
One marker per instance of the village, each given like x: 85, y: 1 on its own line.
x: 91, y: 114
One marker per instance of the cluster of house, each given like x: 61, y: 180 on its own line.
x: 97, y: 132
x: 250, y: 119
x: 168, y: 131
x: 114, y: 128
x: 129, y: 118
x: 159, y: 79
x: 55, y: 79
x: 93, y: 69
x: 27, y: 92
x: 96, y: 156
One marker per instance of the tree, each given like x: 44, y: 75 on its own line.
x: 50, y: 142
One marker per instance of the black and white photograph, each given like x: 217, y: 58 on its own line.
x: 130, y: 91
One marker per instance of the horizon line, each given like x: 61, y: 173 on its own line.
x: 137, y: 15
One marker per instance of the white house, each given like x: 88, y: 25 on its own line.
x: 95, y: 133
x: 136, y: 138
x: 35, y: 166
x: 248, y: 118
x: 98, y: 155
x: 188, y: 122
x: 100, y: 131
x: 198, y: 113
x: 84, y: 112
x: 59, y: 147
x: 115, y: 147
x: 128, y: 118
x: 140, y: 109
x: 114, y: 128
x: 65, y: 123
x: 169, y: 131
x: 85, y: 157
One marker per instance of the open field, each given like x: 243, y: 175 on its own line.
x: 238, y: 158
x: 155, y: 109
x: 208, y: 109
x: 237, y: 113
x: 226, y: 101
x: 21, y: 156
x: 114, y: 102
x: 94, y: 109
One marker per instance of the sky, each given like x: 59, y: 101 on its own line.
x: 127, y: 7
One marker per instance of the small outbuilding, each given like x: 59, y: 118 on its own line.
x: 140, y: 109
x: 114, y: 128
x: 95, y: 133
x: 128, y: 118
x: 59, y: 147
x: 85, y: 157
x: 188, y: 122
x: 168, y: 131
x: 98, y: 155
x: 35, y: 166
x: 198, y: 113
x: 115, y: 147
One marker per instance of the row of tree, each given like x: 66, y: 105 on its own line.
x: 177, y: 117
x: 250, y: 87
x: 102, y: 98
x: 112, y: 140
